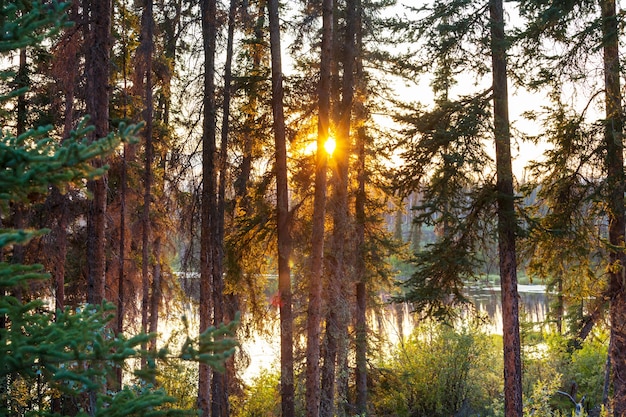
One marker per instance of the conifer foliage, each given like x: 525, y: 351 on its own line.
x: 59, y: 363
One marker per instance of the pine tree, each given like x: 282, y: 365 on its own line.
x: 460, y: 195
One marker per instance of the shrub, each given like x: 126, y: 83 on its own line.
x: 439, y: 371
x: 261, y: 398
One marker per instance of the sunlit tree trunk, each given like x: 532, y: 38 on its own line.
x: 506, y: 217
x: 282, y: 214
x: 208, y: 210
x: 615, y: 185
x: 319, y: 211
x: 336, y: 346
x: 97, y: 65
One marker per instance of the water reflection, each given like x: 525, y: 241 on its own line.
x: 533, y: 305
x: 396, y: 322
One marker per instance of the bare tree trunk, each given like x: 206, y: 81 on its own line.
x: 360, y: 217
x: 219, y: 387
x: 209, y: 185
x: 506, y: 218
x: 615, y: 186
x: 314, y: 317
x: 97, y: 64
x: 282, y: 213
x: 121, y: 272
x: 145, y: 52
x: 155, y: 296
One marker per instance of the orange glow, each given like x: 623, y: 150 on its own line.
x: 330, y: 145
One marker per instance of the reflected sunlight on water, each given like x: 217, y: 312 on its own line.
x: 395, y: 322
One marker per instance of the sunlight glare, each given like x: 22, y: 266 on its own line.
x: 330, y: 145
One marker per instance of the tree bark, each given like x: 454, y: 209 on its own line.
x: 155, y: 294
x: 360, y: 217
x: 208, y: 209
x: 219, y: 384
x: 339, y: 314
x: 282, y: 214
x: 506, y: 217
x: 97, y: 64
x: 146, y: 48
x: 615, y: 185
x: 314, y: 309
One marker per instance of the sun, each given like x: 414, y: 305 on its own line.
x: 330, y: 145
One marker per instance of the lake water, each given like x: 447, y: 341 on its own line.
x: 396, y: 322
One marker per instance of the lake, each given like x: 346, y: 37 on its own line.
x: 396, y: 322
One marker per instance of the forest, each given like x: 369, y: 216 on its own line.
x: 180, y: 179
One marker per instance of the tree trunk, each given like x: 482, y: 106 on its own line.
x: 360, y: 217
x: 282, y: 214
x: 208, y: 210
x: 97, y: 64
x: 146, y: 48
x: 506, y: 217
x: 155, y: 296
x: 314, y: 309
x: 615, y: 185
x: 219, y: 387
x: 339, y: 313
x: 171, y: 32
x: 121, y: 272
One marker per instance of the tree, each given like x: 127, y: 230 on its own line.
x: 282, y: 218
x: 208, y: 200
x: 614, y: 125
x: 338, y: 317
x: 220, y: 381
x: 319, y: 210
x: 585, y: 29
x: 144, y: 70
x: 360, y: 220
x: 507, y: 223
x: 450, y: 31
x: 64, y: 69
x: 97, y: 32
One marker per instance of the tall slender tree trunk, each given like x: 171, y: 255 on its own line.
x: 145, y: 55
x: 615, y: 184
x: 18, y: 210
x: 209, y: 185
x: 121, y: 271
x: 506, y: 217
x: 314, y: 310
x: 282, y: 214
x: 97, y: 64
x: 333, y: 381
x: 361, y: 289
x: 155, y: 294
x: 360, y: 217
x: 219, y: 388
